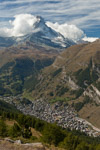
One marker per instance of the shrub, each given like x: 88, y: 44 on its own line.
x: 53, y: 134
x: 3, y: 128
x: 57, y: 72
x: 15, y: 130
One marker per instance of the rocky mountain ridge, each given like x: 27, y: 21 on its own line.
x: 41, y: 35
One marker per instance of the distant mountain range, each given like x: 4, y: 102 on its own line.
x: 42, y: 35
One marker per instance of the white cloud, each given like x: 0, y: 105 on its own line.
x: 89, y: 39
x: 5, y: 32
x: 22, y: 25
x: 68, y: 31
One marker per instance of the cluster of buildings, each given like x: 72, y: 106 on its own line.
x: 59, y: 112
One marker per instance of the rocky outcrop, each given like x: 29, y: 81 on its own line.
x: 8, y: 145
x: 93, y: 93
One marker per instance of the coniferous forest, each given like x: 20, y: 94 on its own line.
x: 50, y: 133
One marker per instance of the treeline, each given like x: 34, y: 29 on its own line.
x: 51, y: 133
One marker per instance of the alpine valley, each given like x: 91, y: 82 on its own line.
x: 53, y: 78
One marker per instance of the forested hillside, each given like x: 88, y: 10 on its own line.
x: 50, y: 133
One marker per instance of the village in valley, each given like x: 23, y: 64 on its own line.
x: 59, y: 112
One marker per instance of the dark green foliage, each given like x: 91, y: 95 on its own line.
x: 39, y: 64
x: 86, y: 76
x: 60, y: 99
x: 53, y: 134
x: 97, y: 85
x: 57, y: 72
x: 70, y: 142
x: 31, y: 82
x: 21, y: 119
x: 21, y: 74
x: 2, y: 91
x: 7, y: 66
x: 15, y: 130
x: 83, y: 146
x: 23, y: 67
x: 62, y: 91
x: 39, y: 125
x: 46, y: 62
x: 98, y: 147
x: 26, y: 133
x: 94, y: 76
x: 26, y: 67
x: 51, y: 94
x: 5, y: 91
x: 17, y: 88
x: 3, y: 128
x: 78, y: 72
x: 5, y: 107
x: 78, y: 106
x: 58, y: 87
x: 78, y: 93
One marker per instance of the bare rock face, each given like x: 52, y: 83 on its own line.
x: 72, y: 84
x: 93, y: 93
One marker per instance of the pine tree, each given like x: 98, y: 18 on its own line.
x: 3, y: 128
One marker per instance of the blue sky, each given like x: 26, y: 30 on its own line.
x: 83, y: 13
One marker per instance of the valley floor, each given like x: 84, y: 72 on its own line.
x: 61, y: 113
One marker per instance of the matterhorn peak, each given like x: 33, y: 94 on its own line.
x: 39, y: 23
x: 40, y: 19
x: 26, y: 27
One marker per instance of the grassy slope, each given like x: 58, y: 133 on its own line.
x: 56, y: 76
x: 19, y: 66
x: 81, y: 63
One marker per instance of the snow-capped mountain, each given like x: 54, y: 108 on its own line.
x: 41, y: 34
